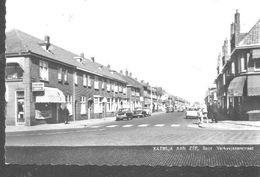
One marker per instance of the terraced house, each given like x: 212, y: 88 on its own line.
x: 40, y: 76
x: 238, y: 81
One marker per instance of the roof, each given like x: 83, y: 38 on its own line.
x: 19, y: 42
x: 130, y: 81
x: 252, y: 37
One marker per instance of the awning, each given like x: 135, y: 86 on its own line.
x: 51, y: 95
x: 236, y: 86
x: 256, y: 54
x: 253, y: 85
x: 19, y: 60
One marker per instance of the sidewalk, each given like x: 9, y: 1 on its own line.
x: 231, y: 125
x: 60, y: 126
x: 70, y: 125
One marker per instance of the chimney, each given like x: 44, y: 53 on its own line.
x: 136, y: 78
x: 92, y: 59
x: 142, y: 81
x: 47, y: 41
x: 130, y: 74
x: 121, y: 71
x: 237, y: 26
x: 108, y: 66
x: 126, y: 72
x: 232, y: 30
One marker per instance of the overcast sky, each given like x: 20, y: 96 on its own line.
x: 173, y: 44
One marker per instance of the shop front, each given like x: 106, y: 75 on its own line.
x: 47, y: 105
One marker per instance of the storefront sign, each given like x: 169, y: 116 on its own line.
x: 37, y: 86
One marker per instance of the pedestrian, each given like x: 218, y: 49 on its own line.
x: 65, y: 113
x: 215, y: 112
x: 200, y: 116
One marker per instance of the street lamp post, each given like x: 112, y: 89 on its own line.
x: 151, y: 100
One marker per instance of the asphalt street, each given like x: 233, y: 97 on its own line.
x: 165, y: 139
x: 161, y: 129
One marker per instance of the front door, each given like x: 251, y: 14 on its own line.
x: 20, y: 117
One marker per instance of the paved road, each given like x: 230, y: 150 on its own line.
x: 162, y: 129
x: 165, y: 139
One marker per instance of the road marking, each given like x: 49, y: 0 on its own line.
x: 95, y: 126
x: 143, y: 125
x: 111, y: 126
x: 127, y: 125
x: 159, y: 125
x: 175, y: 125
x: 192, y: 126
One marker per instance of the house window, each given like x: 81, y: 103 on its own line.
x: 103, y: 85
x: 109, y: 105
x: 257, y: 65
x: 100, y: 104
x: 75, y: 78
x: 84, y: 80
x: 243, y: 64
x: 68, y: 99
x: 83, y: 109
x: 96, y: 86
x: 60, y: 74
x: 96, y: 105
x: 89, y: 81
x: 65, y: 75
x: 233, y: 68
x: 108, y: 87
x: 44, y: 71
x: 13, y: 71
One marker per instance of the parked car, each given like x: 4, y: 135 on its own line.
x: 124, y: 113
x: 169, y: 109
x: 139, y: 112
x: 192, y: 113
x: 146, y: 112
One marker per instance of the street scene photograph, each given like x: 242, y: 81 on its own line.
x: 140, y: 82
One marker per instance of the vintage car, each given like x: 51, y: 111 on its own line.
x: 192, y: 113
x: 124, y: 113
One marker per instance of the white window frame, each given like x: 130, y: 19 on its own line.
x: 224, y: 79
x: 75, y: 78
x: 44, y: 70
x: 242, y: 64
x: 100, y: 105
x: 89, y: 81
x: 109, y: 104
x: 65, y: 75
x: 96, y: 85
x: 84, y: 80
x: 69, y: 103
x: 103, y: 85
x: 233, y: 67
x: 83, y: 105
x: 96, y: 105
x: 60, y: 74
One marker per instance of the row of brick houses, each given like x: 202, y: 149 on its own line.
x: 40, y: 76
x: 238, y: 79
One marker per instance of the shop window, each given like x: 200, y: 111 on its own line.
x: 100, y: 105
x: 43, y: 111
x: 83, y: 104
x: 257, y: 65
x: 44, y: 70
x: 13, y: 71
